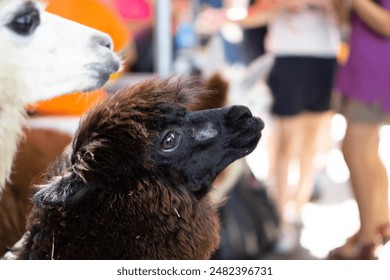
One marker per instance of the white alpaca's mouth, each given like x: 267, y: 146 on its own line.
x: 100, y: 72
x: 105, y: 68
x: 101, y: 80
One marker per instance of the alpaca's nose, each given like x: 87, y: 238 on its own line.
x: 102, y: 41
x: 237, y: 114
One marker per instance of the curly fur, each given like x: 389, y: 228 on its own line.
x: 114, y: 194
x: 40, y: 148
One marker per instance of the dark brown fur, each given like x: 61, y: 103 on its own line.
x: 156, y: 218
x: 111, y: 196
x: 40, y: 148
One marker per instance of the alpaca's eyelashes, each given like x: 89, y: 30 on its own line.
x: 170, y: 141
x: 25, y: 23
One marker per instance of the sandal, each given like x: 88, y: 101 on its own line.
x: 384, y: 231
x: 358, y: 250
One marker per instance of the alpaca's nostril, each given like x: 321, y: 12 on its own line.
x: 107, y: 45
x: 102, y: 41
x: 238, y: 113
x: 261, y: 124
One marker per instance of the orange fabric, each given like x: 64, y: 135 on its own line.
x: 343, y: 53
x: 94, y: 14
x: 70, y: 104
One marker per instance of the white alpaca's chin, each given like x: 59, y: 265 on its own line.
x: 86, y: 82
x: 85, y: 85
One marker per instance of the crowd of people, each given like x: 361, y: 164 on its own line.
x: 305, y: 38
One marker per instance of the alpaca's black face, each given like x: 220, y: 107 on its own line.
x: 192, y: 148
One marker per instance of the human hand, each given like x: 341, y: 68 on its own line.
x: 291, y: 5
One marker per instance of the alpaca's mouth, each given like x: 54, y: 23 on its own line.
x: 248, y: 137
x: 101, y: 79
x: 108, y: 67
x: 101, y: 72
x: 244, y: 142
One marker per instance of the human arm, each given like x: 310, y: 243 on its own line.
x: 263, y: 11
x: 373, y: 15
x: 336, y: 9
x: 259, y: 14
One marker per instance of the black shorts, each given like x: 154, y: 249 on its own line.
x: 301, y: 84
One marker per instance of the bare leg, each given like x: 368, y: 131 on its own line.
x: 271, y: 147
x: 289, y: 133
x: 312, y: 124
x: 368, y: 177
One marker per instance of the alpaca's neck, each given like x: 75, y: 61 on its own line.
x: 12, y: 118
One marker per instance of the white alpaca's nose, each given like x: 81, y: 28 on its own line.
x: 102, y: 41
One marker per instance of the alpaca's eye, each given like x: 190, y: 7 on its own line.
x: 170, y: 141
x: 25, y: 23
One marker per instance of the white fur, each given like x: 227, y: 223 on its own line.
x: 206, y: 133
x: 60, y: 57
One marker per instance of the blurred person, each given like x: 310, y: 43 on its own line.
x: 250, y: 47
x: 98, y: 15
x: 365, y: 102
x: 304, y: 37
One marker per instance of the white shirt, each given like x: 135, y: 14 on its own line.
x: 309, y: 32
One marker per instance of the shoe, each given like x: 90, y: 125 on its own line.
x: 292, y: 215
x: 317, y: 192
x: 384, y: 231
x: 287, y: 241
x: 358, y: 250
x: 384, y: 252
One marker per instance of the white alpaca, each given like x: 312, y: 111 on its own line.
x: 41, y: 56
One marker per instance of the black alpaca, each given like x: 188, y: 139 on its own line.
x: 134, y: 183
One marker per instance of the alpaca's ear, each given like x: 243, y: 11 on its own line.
x: 62, y: 191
